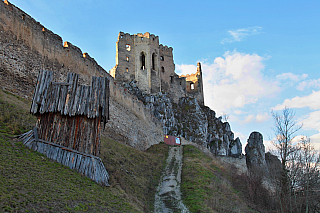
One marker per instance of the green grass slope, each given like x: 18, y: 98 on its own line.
x: 207, y: 185
x: 29, y: 182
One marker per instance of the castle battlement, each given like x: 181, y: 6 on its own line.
x: 140, y: 57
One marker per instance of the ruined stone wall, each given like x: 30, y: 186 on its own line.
x: 156, y: 71
x: 194, y: 85
x: 177, y: 88
x: 125, y: 58
x: 129, y: 64
x: 167, y: 67
x: 130, y: 121
x: 27, y: 47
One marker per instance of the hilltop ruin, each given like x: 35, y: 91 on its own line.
x: 147, y: 98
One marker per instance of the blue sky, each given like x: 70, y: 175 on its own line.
x: 256, y: 55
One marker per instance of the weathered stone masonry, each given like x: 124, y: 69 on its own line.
x: 26, y: 47
x: 140, y: 57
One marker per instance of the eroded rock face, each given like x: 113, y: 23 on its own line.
x: 188, y: 119
x: 274, y: 165
x: 235, y: 148
x: 255, y: 151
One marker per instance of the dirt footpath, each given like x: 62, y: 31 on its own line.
x: 168, y: 196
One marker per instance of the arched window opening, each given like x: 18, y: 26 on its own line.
x: 143, y: 61
x: 171, y: 79
x: 128, y: 47
x: 162, y: 69
x: 127, y: 69
x: 192, y: 86
x: 127, y: 59
x: 161, y: 58
x: 153, y: 61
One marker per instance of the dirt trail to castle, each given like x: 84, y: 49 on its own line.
x: 168, y: 196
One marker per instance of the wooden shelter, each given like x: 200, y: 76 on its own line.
x: 69, y: 122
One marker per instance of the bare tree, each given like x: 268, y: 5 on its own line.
x: 300, y: 173
x: 285, y: 129
x: 304, y: 173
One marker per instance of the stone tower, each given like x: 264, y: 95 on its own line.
x: 140, y: 57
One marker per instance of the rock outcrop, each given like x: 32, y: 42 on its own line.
x: 274, y: 165
x: 235, y: 148
x: 188, y: 119
x: 255, y: 152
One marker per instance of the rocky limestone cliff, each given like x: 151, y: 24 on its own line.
x: 186, y: 118
x: 255, y: 152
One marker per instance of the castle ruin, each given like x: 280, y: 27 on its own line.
x: 140, y: 57
x: 147, y: 98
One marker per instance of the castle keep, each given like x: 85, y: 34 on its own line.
x: 140, y: 57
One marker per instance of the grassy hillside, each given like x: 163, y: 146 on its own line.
x: 207, y: 185
x: 29, y: 182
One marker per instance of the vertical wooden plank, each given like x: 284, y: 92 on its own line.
x: 72, y: 130
x: 96, y: 98
x: 76, y: 101
x: 84, y: 100
x: 45, y: 91
x: 70, y: 95
x: 57, y: 98
x: 35, y: 94
x: 42, y: 81
x: 49, y: 99
x: 77, y: 166
x: 60, y: 102
x: 81, y: 95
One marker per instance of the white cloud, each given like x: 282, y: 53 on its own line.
x: 240, y: 34
x: 315, y: 140
x: 312, y: 121
x: 268, y: 144
x: 312, y: 101
x: 241, y: 136
x: 259, y: 118
x: 235, y: 80
x: 184, y: 69
x: 291, y: 76
x: 249, y: 119
x: 314, y: 83
x: 238, y: 112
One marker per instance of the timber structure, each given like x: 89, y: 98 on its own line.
x: 69, y: 122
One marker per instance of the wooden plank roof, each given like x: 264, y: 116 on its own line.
x: 70, y: 98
